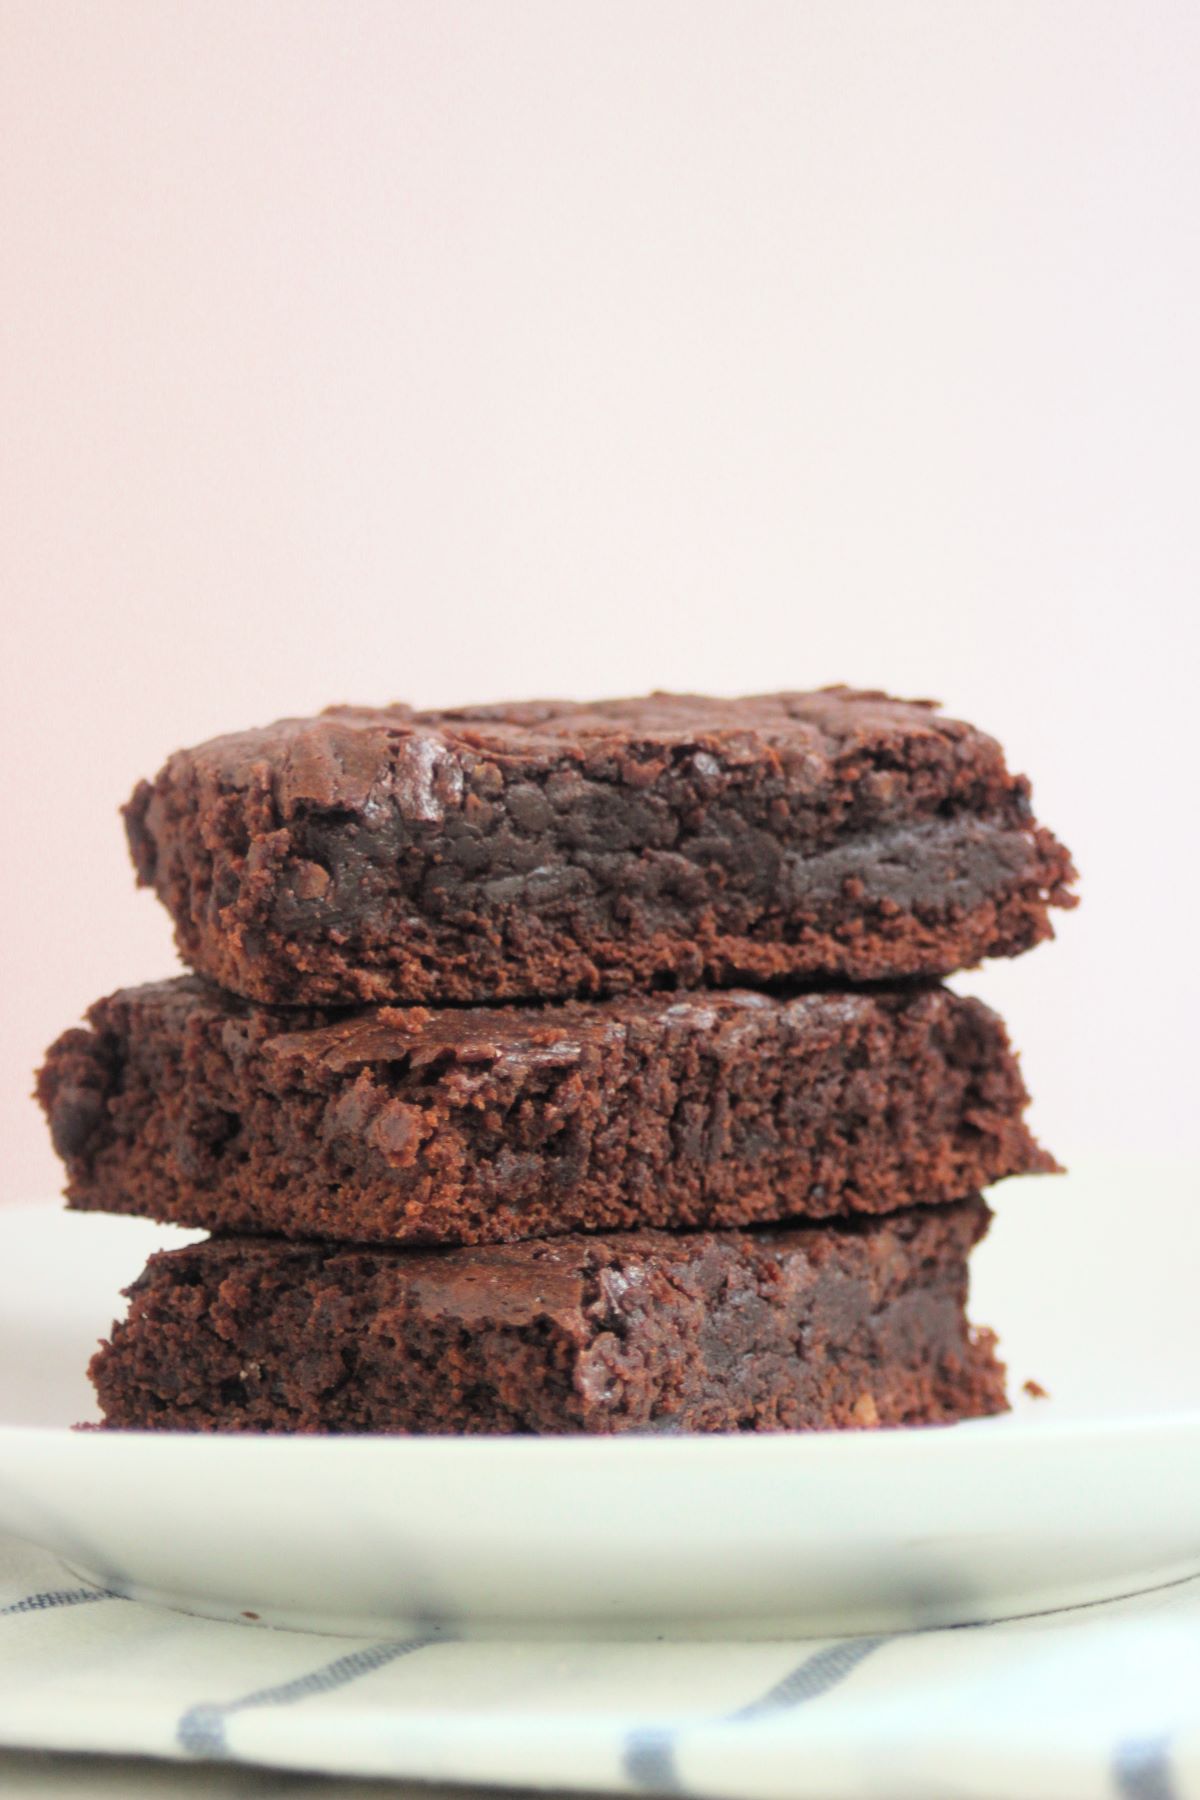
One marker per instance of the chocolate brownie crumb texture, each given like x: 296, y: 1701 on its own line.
x: 473, y: 1125
x: 549, y: 849
x: 849, y: 1325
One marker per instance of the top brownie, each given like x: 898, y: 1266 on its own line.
x: 548, y: 849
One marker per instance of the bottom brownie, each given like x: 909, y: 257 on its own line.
x: 857, y: 1324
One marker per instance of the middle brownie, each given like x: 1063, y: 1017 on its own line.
x: 480, y: 1125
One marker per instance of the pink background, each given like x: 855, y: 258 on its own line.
x: 450, y: 351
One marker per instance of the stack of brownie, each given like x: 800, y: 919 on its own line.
x: 557, y: 1068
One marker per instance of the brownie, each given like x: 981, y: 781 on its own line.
x: 472, y: 1125
x: 550, y: 849
x: 772, y: 1330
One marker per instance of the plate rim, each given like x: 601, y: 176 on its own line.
x: 1004, y: 1431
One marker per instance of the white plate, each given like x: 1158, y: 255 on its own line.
x: 1092, y: 1492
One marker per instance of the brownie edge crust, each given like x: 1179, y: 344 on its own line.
x: 549, y: 849
x: 815, y: 1326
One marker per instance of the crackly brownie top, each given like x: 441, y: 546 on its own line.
x: 335, y: 759
x: 563, y: 1278
x: 424, y: 1039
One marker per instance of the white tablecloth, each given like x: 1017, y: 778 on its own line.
x: 1101, y: 1700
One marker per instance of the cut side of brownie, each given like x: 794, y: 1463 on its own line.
x: 549, y: 849
x: 855, y: 1324
x: 479, y: 1125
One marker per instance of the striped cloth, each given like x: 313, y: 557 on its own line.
x: 1101, y: 1700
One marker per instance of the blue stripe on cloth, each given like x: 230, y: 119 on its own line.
x: 649, y: 1755
x: 1142, y: 1769
x: 56, y: 1597
x: 648, y: 1759
x: 201, y: 1730
x: 823, y: 1670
